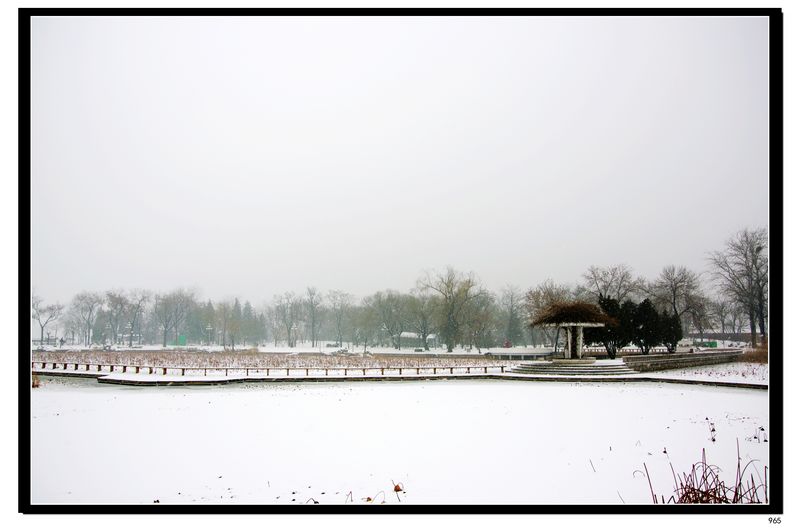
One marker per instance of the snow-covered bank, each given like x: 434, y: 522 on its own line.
x: 446, y: 442
x: 730, y: 372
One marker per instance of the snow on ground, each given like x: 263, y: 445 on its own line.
x: 730, y: 372
x: 446, y: 442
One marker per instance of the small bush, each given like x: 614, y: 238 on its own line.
x: 35, y: 381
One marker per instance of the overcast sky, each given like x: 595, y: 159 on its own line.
x: 249, y: 157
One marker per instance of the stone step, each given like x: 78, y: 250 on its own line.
x: 557, y: 372
x: 572, y: 375
x: 586, y: 368
x: 580, y: 370
x: 550, y: 369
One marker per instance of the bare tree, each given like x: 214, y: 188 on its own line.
x: 720, y: 310
x: 678, y: 290
x: 73, y: 324
x: 289, y: 311
x: 86, y: 305
x: 365, y: 322
x: 700, y: 315
x: 314, y: 311
x: 235, y: 323
x: 340, y: 303
x: 512, y: 306
x: 137, y: 303
x: 118, y: 305
x: 742, y: 272
x: 421, y: 309
x: 224, y: 314
x: 184, y: 301
x: 541, y: 297
x: 273, y: 323
x: 164, y: 313
x: 738, y: 317
x: 44, y: 314
x: 455, y: 291
x: 389, y: 310
x: 481, y: 320
x: 617, y: 282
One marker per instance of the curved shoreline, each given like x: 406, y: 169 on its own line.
x: 128, y: 379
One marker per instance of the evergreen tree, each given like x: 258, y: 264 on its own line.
x: 235, y: 325
x: 647, y: 327
x: 249, y: 324
x: 617, y: 335
x: 671, y: 331
x: 627, y: 323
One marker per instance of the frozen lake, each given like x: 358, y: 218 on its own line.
x: 445, y: 441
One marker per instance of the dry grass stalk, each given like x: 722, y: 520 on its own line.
x: 704, y: 485
x: 759, y: 355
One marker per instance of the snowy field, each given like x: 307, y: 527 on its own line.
x: 445, y: 442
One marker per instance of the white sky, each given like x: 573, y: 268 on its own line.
x: 253, y: 156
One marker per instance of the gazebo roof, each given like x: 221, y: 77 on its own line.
x: 572, y: 314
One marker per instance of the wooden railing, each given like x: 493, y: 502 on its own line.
x: 163, y: 370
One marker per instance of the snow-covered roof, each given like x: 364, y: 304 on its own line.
x: 406, y: 334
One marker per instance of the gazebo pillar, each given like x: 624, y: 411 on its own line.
x: 579, y: 348
x: 568, y: 344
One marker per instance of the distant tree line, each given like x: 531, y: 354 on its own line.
x: 450, y: 306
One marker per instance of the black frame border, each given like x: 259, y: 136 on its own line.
x: 776, y: 390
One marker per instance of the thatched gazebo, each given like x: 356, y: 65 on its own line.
x: 572, y: 317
